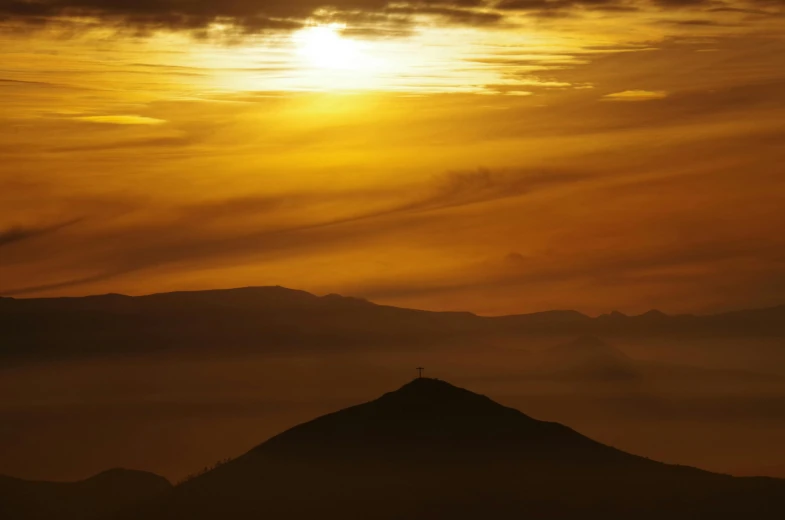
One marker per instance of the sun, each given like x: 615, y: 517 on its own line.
x: 323, y: 47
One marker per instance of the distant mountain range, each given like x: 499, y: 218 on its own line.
x: 434, y: 451
x: 97, y: 497
x: 776, y: 471
x: 280, y: 318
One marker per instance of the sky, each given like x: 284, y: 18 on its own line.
x: 492, y: 156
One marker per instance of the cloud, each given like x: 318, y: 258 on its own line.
x: 697, y: 22
x: 693, y: 272
x: 461, y: 188
x: 121, y: 120
x: 636, y: 95
x: 246, y: 15
x: 66, y: 284
x: 207, y: 233
x: 161, y: 14
x: 682, y: 4
x: 550, y: 8
x: 151, y: 142
x: 259, y: 226
x: 19, y: 233
x: 750, y: 11
x: 253, y: 16
x: 450, y: 14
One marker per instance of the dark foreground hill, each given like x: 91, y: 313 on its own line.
x: 433, y: 451
x: 777, y: 471
x: 107, y: 493
x: 265, y: 318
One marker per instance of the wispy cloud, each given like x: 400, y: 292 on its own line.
x: 121, y: 120
x: 636, y: 95
x: 15, y: 234
x: 282, y: 226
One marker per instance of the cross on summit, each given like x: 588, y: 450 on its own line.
x: 419, y: 372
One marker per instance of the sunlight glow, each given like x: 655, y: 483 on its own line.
x: 322, y: 46
x: 328, y: 58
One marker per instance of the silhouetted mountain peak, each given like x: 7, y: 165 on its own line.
x: 430, y: 419
x: 421, y: 405
x: 613, y: 316
x: 333, y: 297
x: 654, y: 313
x: 430, y: 450
x: 426, y: 392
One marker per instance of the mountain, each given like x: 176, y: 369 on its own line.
x: 430, y: 450
x: 96, y: 497
x: 269, y: 318
x: 276, y: 318
x: 776, y: 471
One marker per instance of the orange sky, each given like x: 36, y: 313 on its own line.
x: 497, y: 157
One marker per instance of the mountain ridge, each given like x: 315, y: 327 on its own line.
x: 102, y: 494
x: 563, y: 313
x: 432, y: 450
x: 277, y: 318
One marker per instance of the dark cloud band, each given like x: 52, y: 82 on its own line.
x: 259, y: 15
x: 247, y: 14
